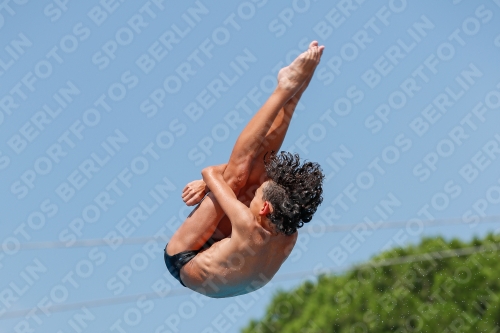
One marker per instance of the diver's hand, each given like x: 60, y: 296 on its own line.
x: 193, y: 192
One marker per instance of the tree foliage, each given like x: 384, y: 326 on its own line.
x: 452, y: 291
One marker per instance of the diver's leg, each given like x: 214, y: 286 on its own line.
x: 202, y: 222
x: 248, y: 145
x: 275, y: 136
x: 272, y: 142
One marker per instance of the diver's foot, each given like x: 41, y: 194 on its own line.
x: 292, y: 77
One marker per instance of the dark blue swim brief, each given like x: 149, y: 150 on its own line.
x: 177, y: 261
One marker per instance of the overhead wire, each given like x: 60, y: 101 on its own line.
x: 438, y: 255
x: 315, y: 230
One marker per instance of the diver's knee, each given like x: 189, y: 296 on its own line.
x: 237, y: 176
x: 237, y: 181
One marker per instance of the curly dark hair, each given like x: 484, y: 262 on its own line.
x: 294, y: 190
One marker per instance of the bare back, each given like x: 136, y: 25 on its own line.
x: 235, y: 266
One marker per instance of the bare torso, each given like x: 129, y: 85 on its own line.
x: 232, y: 267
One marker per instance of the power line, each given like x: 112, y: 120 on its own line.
x: 308, y: 230
x: 438, y: 255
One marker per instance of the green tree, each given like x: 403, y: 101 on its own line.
x: 437, y: 286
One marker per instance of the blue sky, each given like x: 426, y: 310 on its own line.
x: 108, y: 108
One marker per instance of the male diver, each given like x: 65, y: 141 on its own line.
x: 245, y: 225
